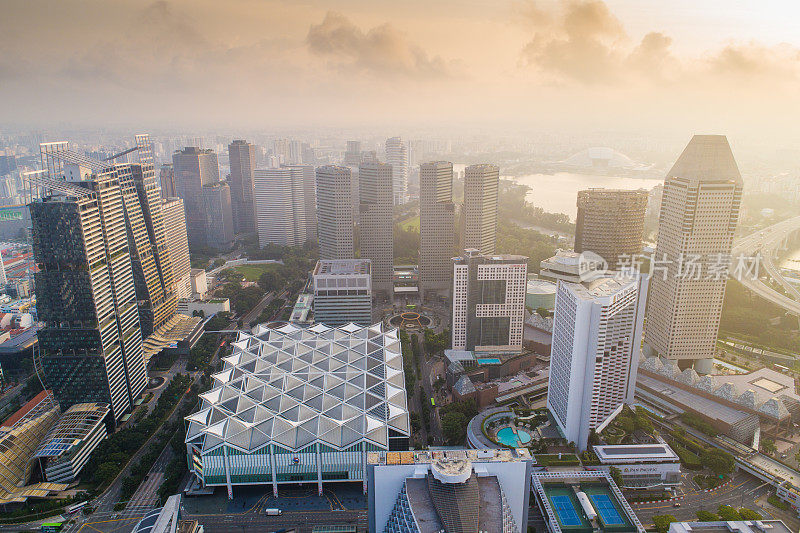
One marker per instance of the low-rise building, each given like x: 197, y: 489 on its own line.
x: 642, y: 466
x: 343, y: 292
x: 67, y: 447
x: 452, y: 490
x: 743, y: 526
x: 303, y: 311
x: 190, y: 306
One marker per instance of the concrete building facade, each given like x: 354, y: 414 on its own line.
x: 481, y: 189
x: 376, y: 223
x: 397, y: 157
x: 342, y: 292
x: 335, y: 212
x: 242, y: 157
x: 280, y: 206
x: 610, y: 223
x: 437, y: 231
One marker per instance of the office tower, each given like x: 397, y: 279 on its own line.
x: 456, y: 490
x: 167, y: 178
x: 334, y: 213
x: 242, y: 156
x: 309, y: 199
x: 193, y: 169
x: 397, y: 157
x: 218, y: 216
x: 597, y: 332
x: 488, y: 301
x: 342, y: 292
x: 437, y: 233
x: 610, y: 223
x: 91, y: 343
x: 177, y: 241
x: 352, y: 156
x: 699, y: 212
x: 376, y: 223
x: 309, y: 155
x: 149, y: 251
x: 481, y: 184
x: 280, y: 206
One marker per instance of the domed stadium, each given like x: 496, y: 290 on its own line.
x: 602, y: 157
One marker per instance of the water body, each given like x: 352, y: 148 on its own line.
x: 791, y: 260
x: 558, y: 193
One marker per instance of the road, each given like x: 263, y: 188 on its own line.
x: 766, y: 242
x: 260, y: 306
x: 303, y: 521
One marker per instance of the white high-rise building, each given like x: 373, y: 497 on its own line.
x: 597, y: 331
x: 488, y: 301
x: 309, y: 198
x: 335, y: 212
x: 376, y: 223
x: 481, y: 183
x: 177, y: 240
x: 437, y: 231
x: 280, y: 206
x: 397, y: 156
x: 699, y: 212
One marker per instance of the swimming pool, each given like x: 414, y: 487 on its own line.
x: 489, y: 361
x: 509, y: 438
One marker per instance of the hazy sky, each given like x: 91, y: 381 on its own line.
x: 728, y: 66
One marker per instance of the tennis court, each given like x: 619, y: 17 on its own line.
x: 606, y: 509
x: 567, y: 514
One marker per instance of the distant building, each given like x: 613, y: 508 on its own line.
x: 450, y: 490
x: 699, y: 212
x: 280, y: 206
x: 397, y: 157
x: 309, y: 180
x: 376, y: 223
x: 218, y: 217
x: 193, y: 169
x: 242, y: 157
x: 595, y: 353
x: 167, y: 179
x: 177, y: 240
x: 334, y: 212
x: 610, y: 223
x: 481, y: 189
x: 744, y: 526
x: 437, y: 229
x: 488, y: 301
x: 66, y: 448
x: 199, y: 283
x: 342, y: 292
x: 352, y: 156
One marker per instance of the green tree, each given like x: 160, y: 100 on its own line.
x: 768, y: 446
x: 270, y: 280
x: 720, y: 462
x: 663, y: 521
x: 454, y: 427
x: 707, y: 516
x: 749, y: 514
x: 728, y: 513
x: 616, y: 475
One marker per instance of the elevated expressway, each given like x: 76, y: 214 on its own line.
x: 768, y: 242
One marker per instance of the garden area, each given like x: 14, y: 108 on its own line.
x: 621, y: 430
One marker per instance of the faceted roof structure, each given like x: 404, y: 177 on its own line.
x: 293, y: 386
x: 707, y: 158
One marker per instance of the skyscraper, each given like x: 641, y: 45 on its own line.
x: 699, y: 212
x: 242, y: 156
x: 437, y: 232
x: 334, y: 212
x: 217, y: 216
x: 91, y: 343
x: 175, y: 229
x: 597, y: 332
x: 194, y: 168
x: 488, y: 301
x: 481, y: 184
x: 167, y: 178
x: 397, y: 157
x: 352, y: 156
x: 376, y: 223
x: 610, y: 223
x: 309, y: 199
x: 280, y: 206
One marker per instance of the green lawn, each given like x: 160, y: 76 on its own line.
x: 253, y: 272
x: 410, y: 224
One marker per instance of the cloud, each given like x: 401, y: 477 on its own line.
x: 382, y: 50
x: 582, y: 41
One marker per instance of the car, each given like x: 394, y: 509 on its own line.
x: 676, y: 504
x: 783, y: 456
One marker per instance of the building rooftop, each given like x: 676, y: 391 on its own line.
x: 635, y: 453
x: 429, y: 456
x: 74, y: 425
x: 601, y: 287
x: 294, y: 386
x: 747, y: 526
x: 707, y: 158
x: 342, y: 267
